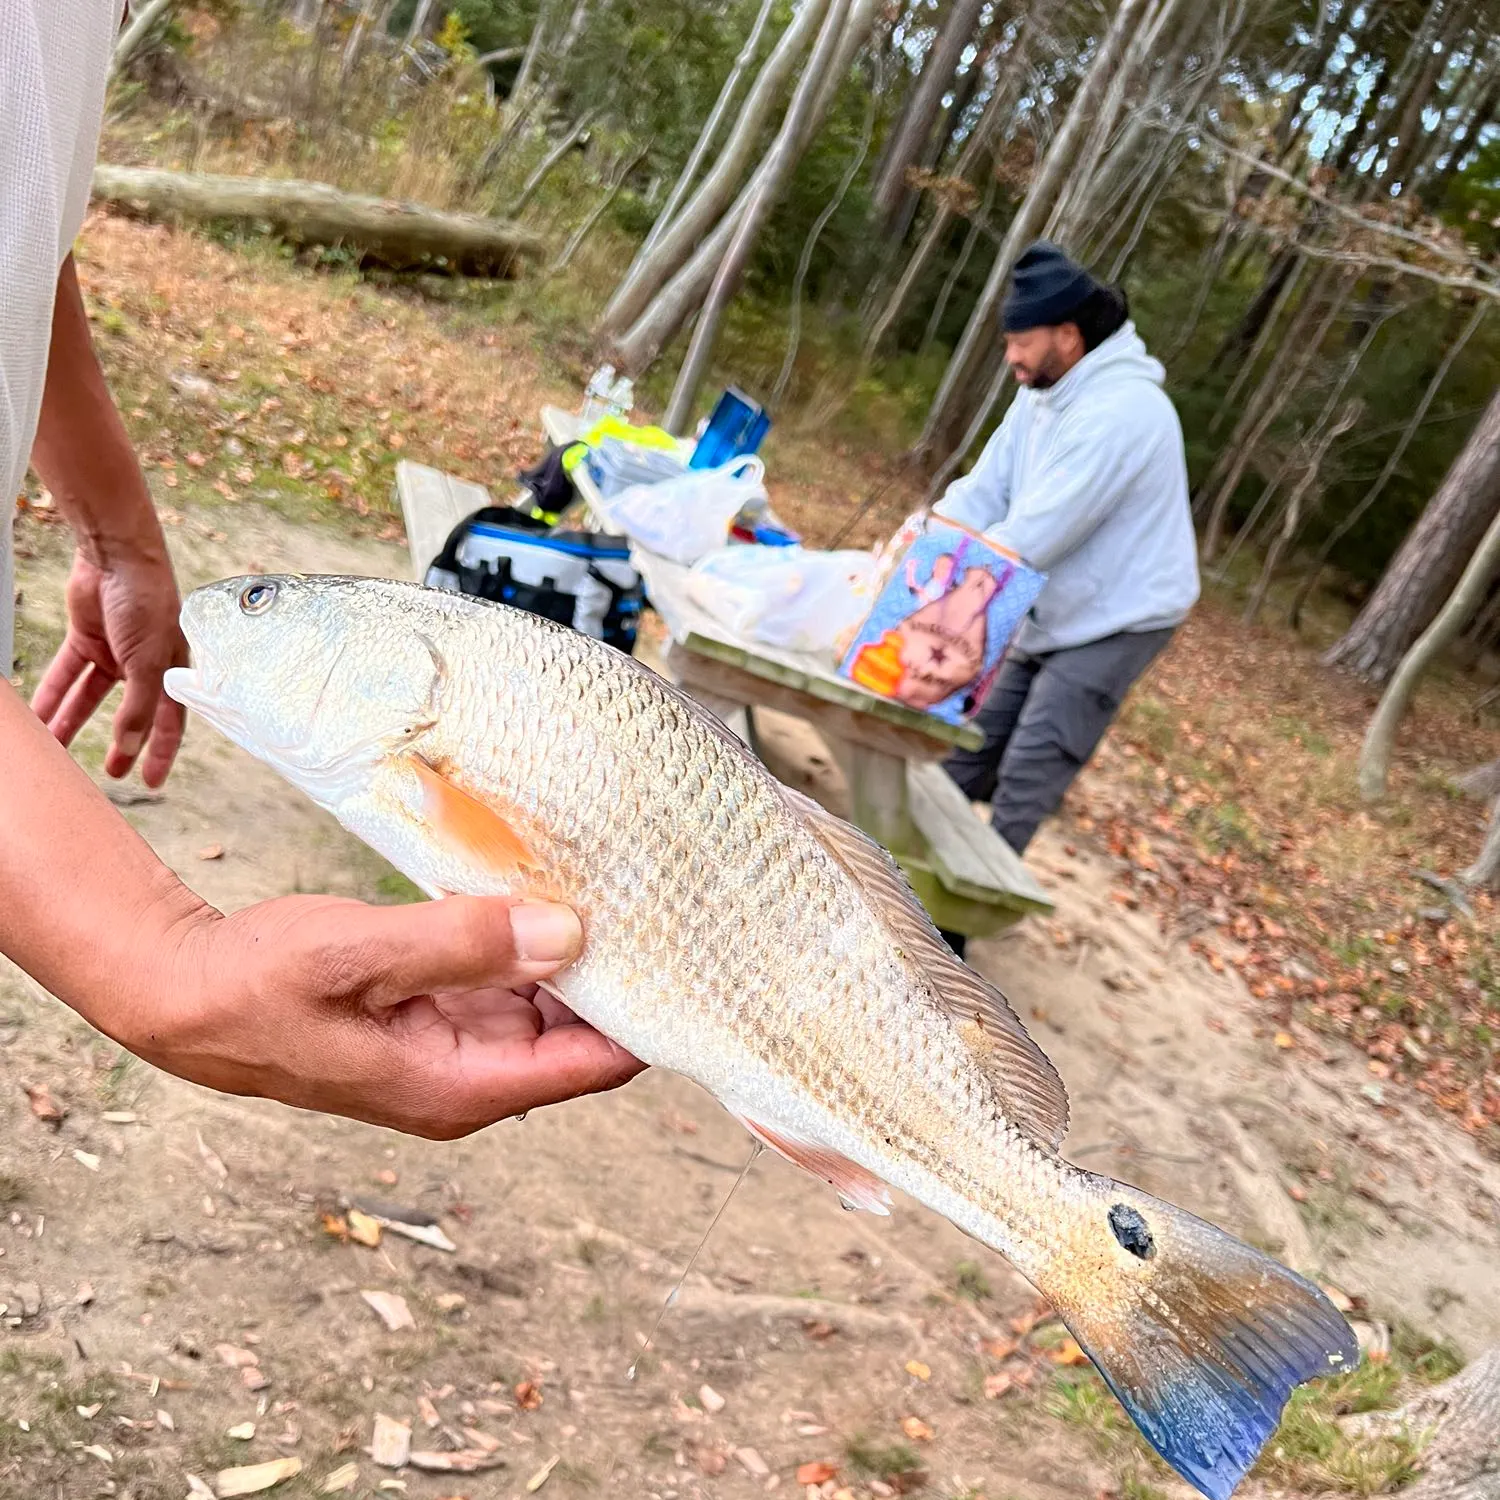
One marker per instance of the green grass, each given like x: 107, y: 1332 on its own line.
x: 970, y: 1283
x: 884, y: 1461
x: 1311, y: 1451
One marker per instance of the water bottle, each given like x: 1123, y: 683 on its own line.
x: 622, y: 398
x: 596, y: 400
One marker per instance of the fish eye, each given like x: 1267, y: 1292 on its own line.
x: 257, y: 598
x: 1131, y: 1231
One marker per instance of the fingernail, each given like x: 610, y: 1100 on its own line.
x: 130, y: 744
x: 545, y: 934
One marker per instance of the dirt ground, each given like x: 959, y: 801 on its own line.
x: 168, y: 1275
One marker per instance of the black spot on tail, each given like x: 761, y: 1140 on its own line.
x: 1132, y: 1231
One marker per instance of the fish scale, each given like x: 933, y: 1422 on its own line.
x: 739, y: 935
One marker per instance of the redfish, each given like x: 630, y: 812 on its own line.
x: 738, y: 934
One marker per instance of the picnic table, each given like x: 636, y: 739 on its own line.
x: 965, y: 874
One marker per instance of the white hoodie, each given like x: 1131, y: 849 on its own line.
x: 1088, y: 482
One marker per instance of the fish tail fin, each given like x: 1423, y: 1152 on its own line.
x: 1201, y: 1337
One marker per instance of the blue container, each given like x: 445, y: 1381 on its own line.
x: 737, y: 428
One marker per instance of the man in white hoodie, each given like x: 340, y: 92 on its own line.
x: 1086, y: 479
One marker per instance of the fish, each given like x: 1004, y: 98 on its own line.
x: 738, y: 934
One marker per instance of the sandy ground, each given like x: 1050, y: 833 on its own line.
x: 161, y: 1237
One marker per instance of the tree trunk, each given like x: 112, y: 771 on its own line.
x: 1087, y: 180
x: 1405, y: 121
x: 398, y: 234
x: 676, y: 245
x: 1295, y: 352
x: 960, y: 265
x: 710, y: 132
x: 683, y: 295
x: 804, y: 262
x: 139, y: 29
x: 1380, y: 737
x: 1291, y: 520
x: 1339, y: 532
x: 1457, y: 1426
x: 1436, y: 188
x: 1482, y: 781
x: 1423, y: 573
x: 780, y: 164
x: 1028, y: 220
x: 617, y: 180
x: 943, y: 215
x: 1485, y: 871
x: 419, y: 19
x: 915, y: 126
x: 548, y: 162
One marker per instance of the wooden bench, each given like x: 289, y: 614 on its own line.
x: 966, y: 875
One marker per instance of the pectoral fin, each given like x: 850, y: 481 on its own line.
x: 473, y: 830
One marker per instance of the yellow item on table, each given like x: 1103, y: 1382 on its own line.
x: 617, y: 427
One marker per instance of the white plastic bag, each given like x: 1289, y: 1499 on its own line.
x: 784, y: 596
x: 690, y: 515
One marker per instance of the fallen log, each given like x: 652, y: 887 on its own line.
x: 402, y: 236
x: 1457, y: 1428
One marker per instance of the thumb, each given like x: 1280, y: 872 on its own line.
x: 460, y: 943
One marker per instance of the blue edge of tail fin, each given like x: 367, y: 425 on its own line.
x: 1210, y: 1418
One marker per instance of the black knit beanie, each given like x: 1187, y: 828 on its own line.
x: 1046, y: 288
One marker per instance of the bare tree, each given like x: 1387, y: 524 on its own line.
x: 710, y: 132
x: 683, y: 295
x: 676, y: 244
x: 1029, y: 218
x: 1380, y: 737
x: 780, y: 164
x: 1423, y: 573
x: 923, y: 105
x: 1376, y: 490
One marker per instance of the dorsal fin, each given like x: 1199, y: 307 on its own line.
x: 1027, y: 1083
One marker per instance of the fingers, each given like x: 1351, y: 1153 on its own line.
x: 166, y: 740
x: 388, y: 954
x: 70, y: 691
x: 145, y: 713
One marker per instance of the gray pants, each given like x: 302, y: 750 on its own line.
x: 1042, y: 721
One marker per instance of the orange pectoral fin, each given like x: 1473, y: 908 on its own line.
x: 472, y: 829
x: 858, y: 1187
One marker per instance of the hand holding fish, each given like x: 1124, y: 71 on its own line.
x: 426, y: 1019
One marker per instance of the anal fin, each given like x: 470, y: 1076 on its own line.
x: 856, y: 1185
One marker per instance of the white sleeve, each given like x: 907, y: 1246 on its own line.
x: 981, y: 499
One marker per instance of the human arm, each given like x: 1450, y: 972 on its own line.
x: 422, y: 1018
x: 1093, y: 461
x: 981, y: 499
x: 122, y: 597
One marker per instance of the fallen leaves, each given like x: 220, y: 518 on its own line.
x: 1068, y: 1353
x: 44, y: 1106
x: 916, y: 1429
x: 391, y: 1309
x: 363, y: 1230
x: 917, y: 1370
x: 816, y: 1473
x: 253, y: 1479
x: 541, y: 1476
x: 528, y: 1395
x: 390, y: 1443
